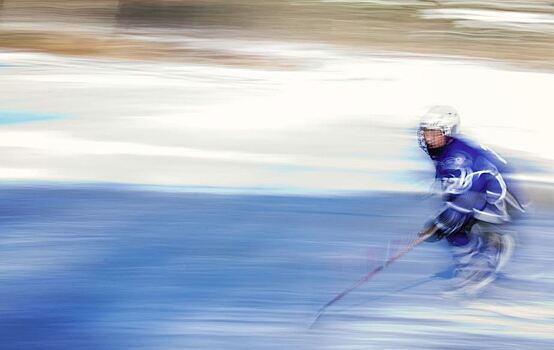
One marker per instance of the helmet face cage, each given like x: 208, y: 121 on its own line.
x: 421, y: 138
x: 443, y: 118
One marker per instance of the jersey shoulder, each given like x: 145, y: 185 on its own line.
x: 482, y: 157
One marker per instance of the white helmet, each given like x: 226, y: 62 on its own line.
x: 444, y: 118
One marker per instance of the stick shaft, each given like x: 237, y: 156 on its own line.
x: 422, y: 237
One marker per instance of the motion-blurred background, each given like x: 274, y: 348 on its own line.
x: 181, y: 174
x: 286, y: 95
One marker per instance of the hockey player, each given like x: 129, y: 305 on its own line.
x: 479, y: 199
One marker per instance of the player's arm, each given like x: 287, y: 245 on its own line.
x: 447, y: 222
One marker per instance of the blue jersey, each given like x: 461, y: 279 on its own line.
x: 475, y: 185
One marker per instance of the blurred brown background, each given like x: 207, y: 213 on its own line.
x: 114, y: 28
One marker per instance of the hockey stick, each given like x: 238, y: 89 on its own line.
x: 422, y: 237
